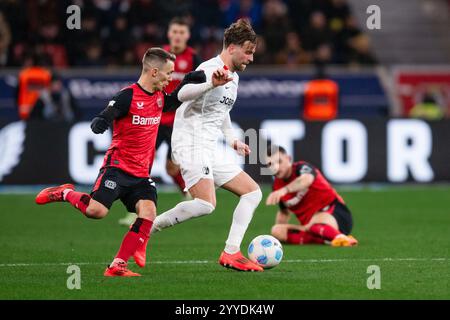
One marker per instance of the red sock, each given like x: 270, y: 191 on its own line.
x: 178, y: 179
x: 138, y: 234
x: 79, y: 200
x: 302, y: 237
x: 324, y: 231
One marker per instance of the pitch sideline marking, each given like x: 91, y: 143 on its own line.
x: 6, y: 265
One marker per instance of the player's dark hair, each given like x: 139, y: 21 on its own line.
x: 272, y: 149
x: 156, y: 56
x: 239, y: 32
x: 180, y: 21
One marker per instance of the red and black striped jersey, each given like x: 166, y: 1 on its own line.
x: 135, y: 128
x: 185, y: 62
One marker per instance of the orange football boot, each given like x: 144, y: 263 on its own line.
x: 53, y: 194
x: 238, y: 262
x: 119, y: 269
x: 344, y: 241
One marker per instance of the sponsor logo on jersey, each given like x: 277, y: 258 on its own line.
x: 110, y: 184
x: 227, y: 101
x: 205, y: 170
x: 140, y: 105
x: 111, y: 103
x: 142, y: 121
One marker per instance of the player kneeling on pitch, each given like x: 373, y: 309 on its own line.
x: 301, y: 189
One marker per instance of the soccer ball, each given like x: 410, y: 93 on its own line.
x: 266, y: 251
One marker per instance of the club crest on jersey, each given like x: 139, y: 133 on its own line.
x: 110, y: 184
x: 159, y: 102
x: 205, y: 170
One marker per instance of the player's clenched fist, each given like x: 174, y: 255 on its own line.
x: 241, y: 148
x: 220, y: 77
x: 99, y: 125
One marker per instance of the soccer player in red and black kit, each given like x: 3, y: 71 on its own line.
x: 186, y: 61
x: 301, y: 189
x: 134, y: 114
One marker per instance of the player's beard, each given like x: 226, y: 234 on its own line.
x: 240, y: 66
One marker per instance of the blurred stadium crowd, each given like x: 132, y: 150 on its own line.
x: 117, y: 32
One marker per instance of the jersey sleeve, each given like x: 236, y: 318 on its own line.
x: 119, y: 105
x: 172, y: 101
x: 196, y: 61
x: 305, y: 167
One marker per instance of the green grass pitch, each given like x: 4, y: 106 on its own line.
x: 403, y: 230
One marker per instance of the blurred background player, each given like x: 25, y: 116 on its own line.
x: 186, y: 60
x: 199, y: 123
x: 300, y: 189
x: 134, y: 114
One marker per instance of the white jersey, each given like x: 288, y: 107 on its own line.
x: 198, y: 123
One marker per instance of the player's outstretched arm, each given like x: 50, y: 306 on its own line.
x: 118, y: 107
x: 301, y: 183
x: 171, y: 101
x: 193, y: 91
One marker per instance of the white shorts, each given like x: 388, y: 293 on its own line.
x: 211, y: 166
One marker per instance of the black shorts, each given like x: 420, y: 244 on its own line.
x: 165, y: 135
x: 113, y: 183
x: 343, y: 217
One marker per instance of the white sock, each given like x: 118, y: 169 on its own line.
x: 241, y: 219
x: 117, y: 261
x: 181, y: 212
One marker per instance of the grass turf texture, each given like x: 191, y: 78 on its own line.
x: 402, y: 230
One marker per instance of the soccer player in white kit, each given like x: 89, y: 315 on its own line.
x: 199, y: 122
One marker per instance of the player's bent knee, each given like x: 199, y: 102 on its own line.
x: 96, y: 212
x: 279, y: 231
x: 254, y: 197
x: 203, y: 207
